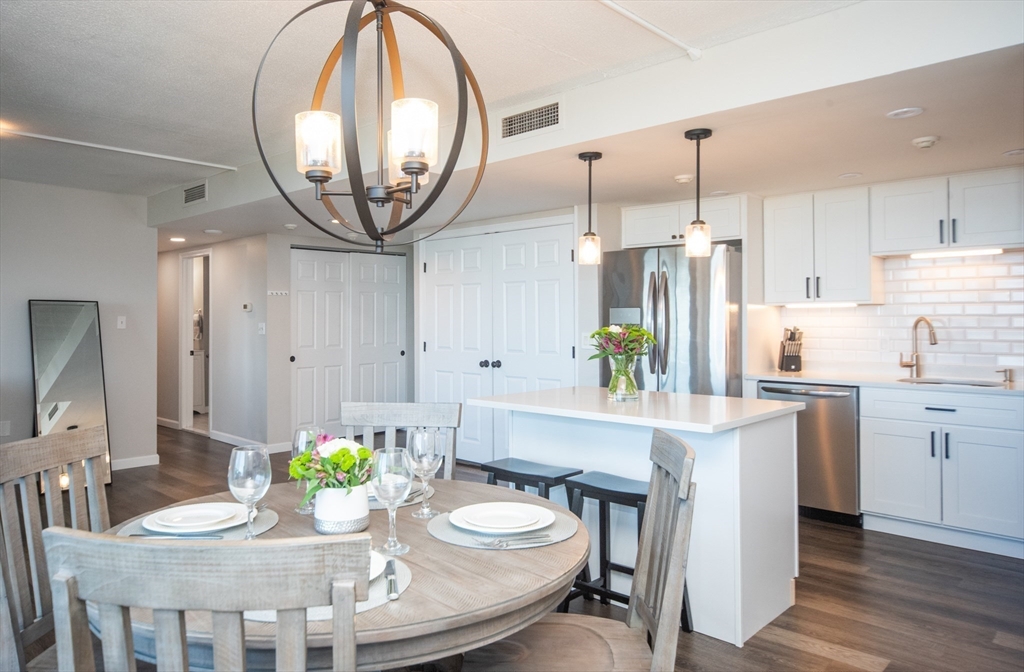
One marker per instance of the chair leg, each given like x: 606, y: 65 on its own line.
x: 686, y: 620
x: 605, y: 530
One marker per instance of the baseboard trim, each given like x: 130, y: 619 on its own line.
x: 234, y: 440
x: 977, y: 541
x: 279, y: 447
x: 134, y: 462
x: 169, y: 424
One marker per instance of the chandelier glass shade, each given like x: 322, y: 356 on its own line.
x: 327, y: 143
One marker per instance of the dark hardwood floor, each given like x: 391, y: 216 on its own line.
x: 865, y: 600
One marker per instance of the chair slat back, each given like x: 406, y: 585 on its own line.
x: 361, y: 420
x: 226, y: 578
x: 656, y: 597
x: 24, y: 465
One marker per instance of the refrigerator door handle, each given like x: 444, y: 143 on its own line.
x: 652, y: 289
x: 663, y: 322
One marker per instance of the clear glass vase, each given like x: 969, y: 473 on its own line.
x: 622, y: 386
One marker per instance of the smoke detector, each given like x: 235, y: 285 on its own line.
x: 291, y: 227
x: 924, y: 142
x: 683, y: 179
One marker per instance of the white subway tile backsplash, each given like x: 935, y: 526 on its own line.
x: 976, y: 305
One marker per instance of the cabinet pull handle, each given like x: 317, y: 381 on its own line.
x: 947, y: 445
x: 936, y: 408
x: 942, y: 239
x: 817, y: 286
x: 933, y: 444
x: 952, y: 224
x: 807, y: 285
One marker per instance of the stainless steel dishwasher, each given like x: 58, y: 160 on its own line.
x: 827, y: 448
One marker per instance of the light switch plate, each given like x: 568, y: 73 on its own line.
x: 122, y: 322
x: 276, y: 292
x: 261, y: 328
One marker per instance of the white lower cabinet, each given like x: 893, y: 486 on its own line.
x: 967, y: 476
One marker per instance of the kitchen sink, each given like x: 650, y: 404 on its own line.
x: 951, y: 381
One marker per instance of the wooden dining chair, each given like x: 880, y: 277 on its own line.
x: 577, y: 642
x: 364, y: 419
x: 82, y: 454
x: 225, y: 578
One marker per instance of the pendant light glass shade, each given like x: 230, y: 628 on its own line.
x: 590, y: 249
x: 414, y: 132
x: 698, y: 239
x: 318, y: 142
x: 395, y: 174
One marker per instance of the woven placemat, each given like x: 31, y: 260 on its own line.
x: 264, y: 520
x: 378, y: 596
x: 441, y: 528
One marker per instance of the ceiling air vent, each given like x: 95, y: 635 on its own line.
x: 530, y: 120
x: 195, y: 194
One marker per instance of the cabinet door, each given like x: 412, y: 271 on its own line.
x: 842, y: 256
x: 901, y: 469
x: 983, y: 480
x: 909, y: 216
x: 721, y: 214
x: 654, y: 225
x: 987, y: 208
x: 788, y: 249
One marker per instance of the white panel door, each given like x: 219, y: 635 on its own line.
x: 909, y: 216
x: 378, y: 347
x: 901, y: 469
x: 842, y: 255
x: 320, y: 336
x: 983, y: 480
x: 456, y: 330
x: 789, y: 249
x: 987, y: 208
x: 533, y: 315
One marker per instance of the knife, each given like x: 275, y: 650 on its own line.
x: 392, y: 580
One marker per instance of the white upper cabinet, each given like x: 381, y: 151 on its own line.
x: 987, y: 208
x: 971, y: 210
x: 816, y: 248
x: 665, y: 224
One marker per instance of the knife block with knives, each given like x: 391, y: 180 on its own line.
x: 789, y: 350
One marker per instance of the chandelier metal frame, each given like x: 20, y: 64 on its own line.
x: 379, y: 193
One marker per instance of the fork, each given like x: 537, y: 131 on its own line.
x: 506, y: 542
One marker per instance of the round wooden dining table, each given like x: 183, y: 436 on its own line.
x: 460, y: 598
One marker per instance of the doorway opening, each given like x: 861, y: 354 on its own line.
x: 195, y: 409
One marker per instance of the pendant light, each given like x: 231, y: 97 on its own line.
x: 590, y: 242
x: 698, y: 233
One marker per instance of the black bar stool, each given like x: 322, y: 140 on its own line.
x: 524, y: 472
x: 609, y: 489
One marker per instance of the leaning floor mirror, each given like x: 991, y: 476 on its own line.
x: 67, y: 361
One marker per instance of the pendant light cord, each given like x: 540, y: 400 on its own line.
x: 590, y: 191
x: 698, y: 179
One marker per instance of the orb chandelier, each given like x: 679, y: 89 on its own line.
x: 322, y: 138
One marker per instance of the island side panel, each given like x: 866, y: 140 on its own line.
x: 769, y: 547
x: 713, y: 572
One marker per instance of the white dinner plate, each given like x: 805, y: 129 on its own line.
x: 237, y: 517
x: 377, y: 564
x: 500, y: 517
x: 193, y: 515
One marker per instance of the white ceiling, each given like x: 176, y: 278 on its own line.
x: 175, y: 77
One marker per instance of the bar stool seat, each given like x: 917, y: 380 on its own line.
x: 524, y: 472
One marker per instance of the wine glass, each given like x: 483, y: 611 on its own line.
x: 249, y: 478
x: 391, y: 480
x: 305, y: 439
x: 424, y: 452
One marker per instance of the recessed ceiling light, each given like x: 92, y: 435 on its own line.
x: 718, y: 193
x: 1014, y: 152
x: 334, y: 221
x: 683, y: 179
x: 850, y: 176
x: 353, y: 235
x: 177, y: 240
x: 905, y: 112
x: 213, y: 231
x: 291, y: 227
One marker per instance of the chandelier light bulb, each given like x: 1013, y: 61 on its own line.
x: 414, y: 133
x: 318, y: 142
x: 590, y: 249
x: 698, y: 239
x: 395, y: 174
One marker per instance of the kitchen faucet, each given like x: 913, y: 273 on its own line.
x: 914, y: 364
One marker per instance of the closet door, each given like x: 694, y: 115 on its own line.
x: 378, y: 328
x: 455, y: 315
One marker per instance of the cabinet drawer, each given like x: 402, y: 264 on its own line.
x: 945, y: 408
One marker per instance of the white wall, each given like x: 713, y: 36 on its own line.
x: 60, y: 243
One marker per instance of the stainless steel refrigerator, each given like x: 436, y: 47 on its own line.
x: 691, y: 305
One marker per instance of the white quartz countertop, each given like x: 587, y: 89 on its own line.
x: 874, y: 379
x: 665, y: 410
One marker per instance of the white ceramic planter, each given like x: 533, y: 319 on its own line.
x: 340, y: 512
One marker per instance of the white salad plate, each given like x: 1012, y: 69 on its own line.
x: 377, y: 564
x: 193, y: 515
x: 501, y: 517
x: 236, y: 516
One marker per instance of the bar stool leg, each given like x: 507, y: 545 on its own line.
x: 542, y: 490
x: 606, y: 545
x: 491, y: 480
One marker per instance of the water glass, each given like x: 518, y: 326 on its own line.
x: 424, y: 451
x: 249, y: 478
x: 391, y: 480
x: 305, y: 439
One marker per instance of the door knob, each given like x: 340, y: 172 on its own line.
x: 292, y: 358
x: 484, y: 364
x: 496, y: 363
x: 402, y: 353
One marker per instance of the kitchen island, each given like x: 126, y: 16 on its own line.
x: 743, y: 546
